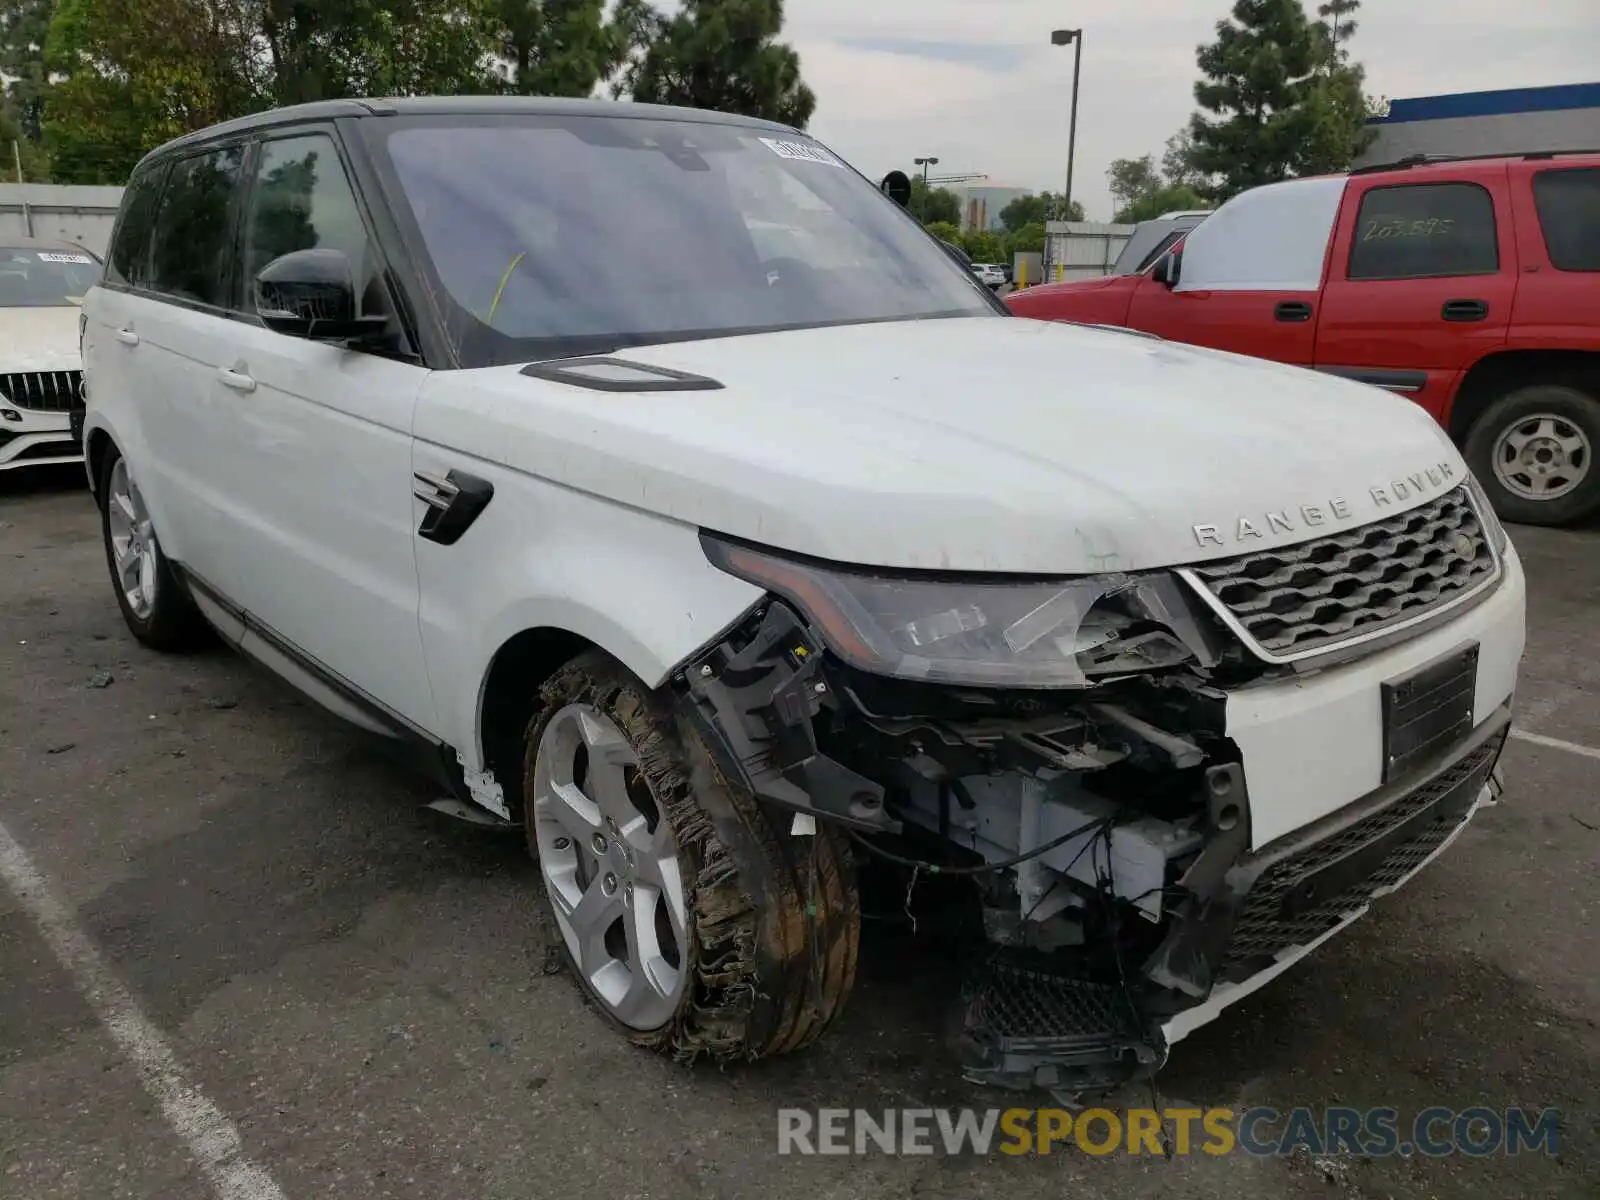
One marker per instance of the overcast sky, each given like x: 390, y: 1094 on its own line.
x: 977, y: 83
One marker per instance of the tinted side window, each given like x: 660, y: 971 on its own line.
x: 192, y: 235
x: 1425, y: 230
x: 1569, y: 213
x: 303, y: 200
x: 129, y: 256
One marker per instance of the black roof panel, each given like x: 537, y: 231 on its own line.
x: 328, y: 110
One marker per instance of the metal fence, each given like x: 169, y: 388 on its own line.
x: 1082, y: 249
x: 60, y: 211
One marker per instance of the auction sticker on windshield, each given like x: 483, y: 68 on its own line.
x: 48, y: 256
x: 800, y: 151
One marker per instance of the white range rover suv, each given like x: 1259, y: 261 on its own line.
x: 42, y: 285
x: 728, y: 566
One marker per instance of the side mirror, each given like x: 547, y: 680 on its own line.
x: 1168, y: 267
x: 312, y: 294
x: 897, y: 186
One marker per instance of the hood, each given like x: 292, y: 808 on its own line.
x: 39, y: 339
x: 1071, y: 286
x: 977, y: 444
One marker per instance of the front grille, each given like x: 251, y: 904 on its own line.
x: 44, y: 391
x: 1264, y: 927
x: 1300, y: 600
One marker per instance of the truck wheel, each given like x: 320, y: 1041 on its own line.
x: 1534, y: 452
x: 154, y: 604
x: 693, y: 921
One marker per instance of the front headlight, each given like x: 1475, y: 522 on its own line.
x: 1491, y: 521
x: 1059, y: 633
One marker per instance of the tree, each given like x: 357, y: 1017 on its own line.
x: 1132, y: 179
x: 945, y: 231
x: 934, y: 204
x: 1036, y: 210
x: 130, y: 74
x: 23, y: 27
x: 563, y: 47
x: 1256, y: 81
x: 1336, y: 105
x: 1165, y: 199
x: 984, y: 245
x: 1027, y: 239
x: 1284, y: 99
x: 1177, y: 161
x: 721, y: 54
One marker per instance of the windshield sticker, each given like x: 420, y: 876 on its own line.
x: 47, y: 256
x: 800, y: 151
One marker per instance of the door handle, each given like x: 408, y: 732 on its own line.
x: 1464, y: 310
x: 236, y: 380
x: 127, y: 337
x: 1293, y: 310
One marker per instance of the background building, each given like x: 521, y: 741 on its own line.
x: 1561, y: 117
x: 981, y: 205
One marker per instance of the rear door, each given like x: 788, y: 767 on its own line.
x: 1421, y: 281
x: 164, y: 336
x: 1558, y: 239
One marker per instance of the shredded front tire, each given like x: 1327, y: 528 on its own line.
x: 771, y: 925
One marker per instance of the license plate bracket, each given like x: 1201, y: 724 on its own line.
x: 1429, y: 710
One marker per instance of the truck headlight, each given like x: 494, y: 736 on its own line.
x: 987, y: 632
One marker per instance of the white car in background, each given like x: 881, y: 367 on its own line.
x: 991, y: 275
x: 42, y: 285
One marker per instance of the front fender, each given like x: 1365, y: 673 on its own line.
x: 636, y: 585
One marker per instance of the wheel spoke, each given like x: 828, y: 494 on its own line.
x: 653, y: 977
x: 1575, y: 446
x: 125, y: 503
x: 568, y: 807
x: 590, y: 918
x: 1515, y: 440
x: 604, y: 740
x: 125, y: 554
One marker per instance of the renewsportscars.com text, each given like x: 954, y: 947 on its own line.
x: 1475, y: 1132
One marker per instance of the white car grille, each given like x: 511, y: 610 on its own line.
x: 1312, y: 598
x: 43, y: 391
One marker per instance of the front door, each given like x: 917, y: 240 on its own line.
x: 1280, y: 325
x: 321, y: 550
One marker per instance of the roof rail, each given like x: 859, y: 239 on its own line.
x: 1421, y: 160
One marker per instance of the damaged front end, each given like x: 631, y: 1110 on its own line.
x: 1063, y: 746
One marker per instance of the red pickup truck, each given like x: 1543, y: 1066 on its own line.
x: 1471, y: 286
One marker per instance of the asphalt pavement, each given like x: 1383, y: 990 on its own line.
x: 243, y: 960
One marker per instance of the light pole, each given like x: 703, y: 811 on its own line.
x: 925, y: 163
x: 1073, y: 38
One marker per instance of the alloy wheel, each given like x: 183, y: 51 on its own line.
x: 611, y: 867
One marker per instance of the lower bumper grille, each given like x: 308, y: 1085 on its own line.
x: 1286, y: 908
x: 43, y: 391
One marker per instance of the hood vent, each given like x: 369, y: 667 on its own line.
x: 619, y: 375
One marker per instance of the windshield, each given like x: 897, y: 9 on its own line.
x: 45, y: 278
x: 555, y: 236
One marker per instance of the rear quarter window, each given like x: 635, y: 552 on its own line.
x: 1568, y: 203
x: 1425, y: 231
x: 129, y: 256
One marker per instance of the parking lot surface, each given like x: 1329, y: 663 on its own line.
x: 262, y: 934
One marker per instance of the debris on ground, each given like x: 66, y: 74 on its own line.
x: 101, y: 679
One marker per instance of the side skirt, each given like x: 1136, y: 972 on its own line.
x: 388, y: 732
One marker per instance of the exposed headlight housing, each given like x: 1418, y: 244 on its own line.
x: 985, y: 632
x: 1491, y: 521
